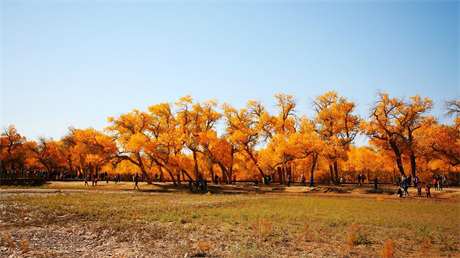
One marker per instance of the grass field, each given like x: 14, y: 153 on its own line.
x: 137, y: 224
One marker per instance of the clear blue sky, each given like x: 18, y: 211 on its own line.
x: 77, y: 62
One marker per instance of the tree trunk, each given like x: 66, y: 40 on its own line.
x: 336, y: 171
x: 195, y: 165
x: 413, y: 164
x: 211, y: 171
x: 251, y: 156
x: 143, y: 170
x: 397, y: 153
x: 170, y: 174
x: 187, y: 174
x: 280, y: 175
x: 178, y: 179
x: 230, y: 174
x: 312, y: 169
x: 284, y: 169
x: 230, y: 169
x: 225, y: 173
x: 331, y: 171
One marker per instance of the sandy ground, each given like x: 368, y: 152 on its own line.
x: 30, y: 233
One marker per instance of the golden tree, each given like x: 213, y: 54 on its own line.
x: 165, y: 141
x: 337, y: 125
x: 129, y: 132
x: 393, y: 123
x: 13, y: 150
x: 90, y: 150
x: 48, y: 154
x: 196, y: 120
x: 246, y: 128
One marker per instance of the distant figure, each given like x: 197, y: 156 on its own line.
x: 86, y: 181
x: 444, y: 180
x: 302, y: 180
x: 106, y: 177
x: 136, y: 182
x: 400, y: 192
x: 416, y: 181
x: 435, y: 182
x: 359, y: 179
x: 268, y: 179
x: 403, y: 179
x: 376, y: 183
x: 427, y: 190
x: 205, y: 185
x: 405, y: 186
x: 419, y: 189
x: 202, y: 185
x: 406, y: 189
x: 190, y: 185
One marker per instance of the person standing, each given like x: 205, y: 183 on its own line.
x: 400, y: 192
x: 136, y: 182
x: 427, y: 190
x: 435, y: 182
x: 444, y: 180
x: 406, y: 187
x: 419, y: 189
x: 416, y: 181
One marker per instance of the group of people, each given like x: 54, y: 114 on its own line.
x: 438, y: 181
x: 361, y: 178
x: 104, y: 176
x: 93, y: 179
x: 198, y: 186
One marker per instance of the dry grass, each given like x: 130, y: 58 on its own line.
x: 24, y: 245
x: 244, y: 225
x: 388, y: 249
x: 262, y: 229
x: 7, y: 240
x: 352, y: 235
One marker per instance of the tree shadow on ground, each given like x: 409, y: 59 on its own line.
x: 248, y: 188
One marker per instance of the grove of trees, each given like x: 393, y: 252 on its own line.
x: 187, y: 140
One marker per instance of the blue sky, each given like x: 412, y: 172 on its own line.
x: 74, y: 63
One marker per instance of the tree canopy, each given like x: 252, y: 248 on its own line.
x: 188, y: 139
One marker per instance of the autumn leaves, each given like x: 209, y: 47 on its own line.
x: 181, y: 141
